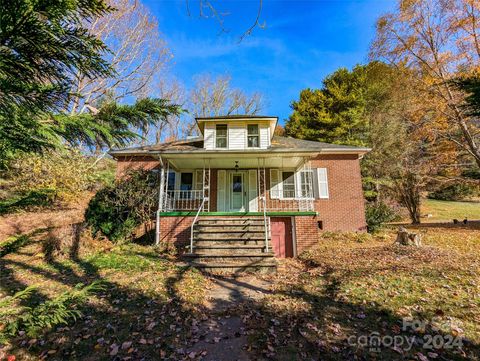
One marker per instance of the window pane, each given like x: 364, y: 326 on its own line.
x: 288, y: 184
x: 253, y: 141
x: 237, y: 183
x: 221, y: 130
x: 171, y: 181
x: 252, y: 129
x: 221, y: 136
x: 221, y: 142
x: 186, y: 181
x: 306, y: 178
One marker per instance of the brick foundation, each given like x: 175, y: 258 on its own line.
x: 306, y: 232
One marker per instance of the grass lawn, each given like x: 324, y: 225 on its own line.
x: 448, y: 210
x: 344, y: 289
x: 318, y: 306
x: 146, y: 307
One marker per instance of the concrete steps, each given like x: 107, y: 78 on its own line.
x: 230, y: 244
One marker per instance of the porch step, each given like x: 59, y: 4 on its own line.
x: 219, y: 222
x: 269, y: 267
x: 219, y: 228
x: 229, y: 242
x: 229, y: 257
x: 205, y: 236
x: 229, y: 246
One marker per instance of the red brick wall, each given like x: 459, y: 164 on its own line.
x: 126, y: 164
x: 344, y: 210
x: 177, y: 229
x: 306, y: 232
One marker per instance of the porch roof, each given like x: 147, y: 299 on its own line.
x: 281, y: 147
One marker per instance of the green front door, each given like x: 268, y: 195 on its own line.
x: 237, y: 192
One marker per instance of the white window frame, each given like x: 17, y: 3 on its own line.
x: 257, y: 135
x: 294, y: 184
x: 299, y: 189
x: 226, y: 137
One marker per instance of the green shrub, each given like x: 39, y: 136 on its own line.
x: 117, y: 210
x: 377, y: 214
x: 455, y: 192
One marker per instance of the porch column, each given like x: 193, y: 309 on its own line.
x: 160, y: 201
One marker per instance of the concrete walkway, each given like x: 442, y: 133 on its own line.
x: 222, y: 336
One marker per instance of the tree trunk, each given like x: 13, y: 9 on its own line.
x: 406, y: 238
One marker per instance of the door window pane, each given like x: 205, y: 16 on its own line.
x: 221, y: 136
x: 288, y: 179
x: 237, y: 183
x: 253, y: 136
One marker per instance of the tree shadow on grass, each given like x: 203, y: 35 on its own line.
x: 147, y: 324
x: 295, y: 324
x: 289, y: 323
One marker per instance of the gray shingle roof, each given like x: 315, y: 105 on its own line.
x: 279, y: 144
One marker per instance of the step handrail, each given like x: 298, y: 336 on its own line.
x: 193, y: 223
x: 265, y: 222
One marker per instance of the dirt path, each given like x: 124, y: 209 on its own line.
x: 223, y: 336
x: 25, y: 222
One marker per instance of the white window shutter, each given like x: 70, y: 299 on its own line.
x: 221, y: 190
x: 275, y: 184
x: 252, y: 191
x: 322, y: 183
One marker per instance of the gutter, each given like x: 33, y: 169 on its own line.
x: 242, y: 151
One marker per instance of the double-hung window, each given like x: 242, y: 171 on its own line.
x: 288, y: 182
x: 306, y: 184
x: 221, y: 136
x: 253, y: 136
x: 186, y: 185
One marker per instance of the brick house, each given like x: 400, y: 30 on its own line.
x: 240, y: 187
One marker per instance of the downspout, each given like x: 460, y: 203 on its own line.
x: 160, y: 201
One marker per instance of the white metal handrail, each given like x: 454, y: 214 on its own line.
x: 265, y: 222
x: 193, y: 223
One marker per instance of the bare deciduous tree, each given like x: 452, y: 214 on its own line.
x: 137, y: 53
x: 214, y: 97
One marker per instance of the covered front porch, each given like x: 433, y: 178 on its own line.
x: 234, y: 184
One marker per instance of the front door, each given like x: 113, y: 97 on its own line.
x: 282, y: 240
x: 237, y: 192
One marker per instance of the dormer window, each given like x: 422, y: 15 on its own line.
x: 253, y: 136
x: 221, y: 136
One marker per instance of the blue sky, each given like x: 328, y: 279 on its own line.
x: 303, y: 41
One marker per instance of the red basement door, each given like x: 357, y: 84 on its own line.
x: 282, y: 240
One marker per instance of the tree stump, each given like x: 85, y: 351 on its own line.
x: 406, y: 238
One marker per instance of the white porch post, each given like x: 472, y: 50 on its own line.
x: 160, y: 201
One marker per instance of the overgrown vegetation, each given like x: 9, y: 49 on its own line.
x: 118, y: 210
x: 377, y: 214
